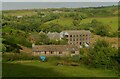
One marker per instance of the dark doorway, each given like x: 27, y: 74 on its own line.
x: 80, y: 43
x: 60, y: 52
x: 45, y: 52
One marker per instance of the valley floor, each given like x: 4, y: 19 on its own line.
x: 49, y: 69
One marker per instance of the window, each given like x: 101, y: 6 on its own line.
x: 76, y: 35
x: 80, y: 35
x: 70, y: 35
x: 45, y: 52
x: 73, y: 52
x: 86, y: 35
x: 80, y: 39
x: 73, y: 39
x: 60, y: 52
x: 83, y: 38
x: 77, y: 39
x: 51, y: 52
x: 83, y: 35
x: 66, y: 35
x: 73, y: 35
x: 70, y: 39
x: 80, y: 43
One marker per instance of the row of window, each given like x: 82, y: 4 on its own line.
x: 73, y: 39
x: 51, y: 52
x: 80, y: 43
x: 78, y: 35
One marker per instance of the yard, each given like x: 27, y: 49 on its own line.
x: 49, y: 69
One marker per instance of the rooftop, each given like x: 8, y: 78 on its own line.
x: 77, y: 31
x: 55, y: 48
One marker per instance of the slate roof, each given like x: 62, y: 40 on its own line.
x: 59, y: 48
x: 54, y: 35
x: 71, y: 32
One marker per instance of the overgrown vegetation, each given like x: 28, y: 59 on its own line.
x: 101, y: 56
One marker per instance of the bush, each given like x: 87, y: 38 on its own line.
x: 54, y: 58
x: 75, y: 58
x: 18, y: 56
x: 101, y: 56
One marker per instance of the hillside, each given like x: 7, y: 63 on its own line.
x: 28, y: 23
x: 112, y: 21
x: 67, y: 22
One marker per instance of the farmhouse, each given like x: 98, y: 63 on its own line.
x: 77, y: 37
x: 54, y: 35
x: 57, y: 50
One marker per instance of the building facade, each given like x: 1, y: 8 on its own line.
x: 77, y: 37
x: 55, y: 50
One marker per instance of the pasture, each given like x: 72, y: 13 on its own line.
x: 20, y: 13
x: 49, y: 69
x: 66, y: 22
x: 62, y: 21
x: 111, y: 21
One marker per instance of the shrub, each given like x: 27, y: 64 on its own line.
x: 18, y: 56
x: 101, y: 56
x: 54, y: 58
x: 75, y: 58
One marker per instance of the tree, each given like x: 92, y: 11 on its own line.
x: 101, y: 55
x: 2, y: 48
x: 51, y: 27
x: 100, y: 28
x: 42, y: 39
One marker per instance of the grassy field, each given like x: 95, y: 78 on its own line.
x: 20, y: 13
x: 62, y: 21
x: 111, y: 21
x: 48, y: 69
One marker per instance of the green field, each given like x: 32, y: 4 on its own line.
x: 19, y: 13
x: 49, y: 69
x: 111, y: 21
x: 62, y: 21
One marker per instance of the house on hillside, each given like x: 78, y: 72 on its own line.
x: 54, y: 35
x: 77, y: 37
x: 55, y: 50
